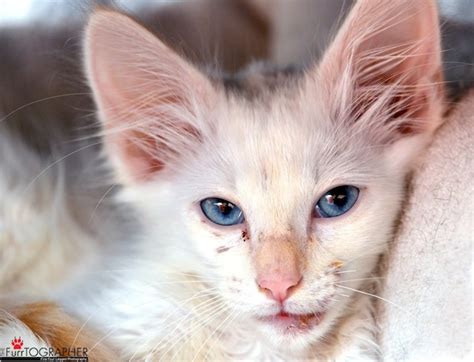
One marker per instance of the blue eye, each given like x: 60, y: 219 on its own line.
x: 337, y: 201
x: 222, y: 212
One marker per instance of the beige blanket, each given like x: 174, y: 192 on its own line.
x: 429, y: 275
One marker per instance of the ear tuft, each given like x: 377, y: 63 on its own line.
x: 383, y: 70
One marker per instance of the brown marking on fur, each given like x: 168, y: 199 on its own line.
x: 337, y: 264
x: 245, y: 235
x: 59, y: 330
x: 222, y: 249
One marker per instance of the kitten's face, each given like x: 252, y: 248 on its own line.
x: 280, y: 206
x: 275, y: 166
x: 275, y: 163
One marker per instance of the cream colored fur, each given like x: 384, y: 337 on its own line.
x: 361, y: 118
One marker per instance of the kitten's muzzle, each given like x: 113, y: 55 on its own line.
x: 278, y: 268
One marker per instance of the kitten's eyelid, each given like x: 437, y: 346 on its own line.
x: 336, y: 185
x: 216, y: 193
x: 197, y: 200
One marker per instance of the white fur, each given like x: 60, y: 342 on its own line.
x: 182, y: 299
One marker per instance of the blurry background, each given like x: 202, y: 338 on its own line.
x: 297, y: 27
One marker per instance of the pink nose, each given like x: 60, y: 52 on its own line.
x: 278, y: 287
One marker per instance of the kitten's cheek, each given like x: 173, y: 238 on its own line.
x: 211, y: 242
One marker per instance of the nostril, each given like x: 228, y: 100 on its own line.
x: 293, y: 287
x: 278, y: 289
x: 266, y: 291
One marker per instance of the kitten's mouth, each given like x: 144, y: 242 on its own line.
x: 289, y: 323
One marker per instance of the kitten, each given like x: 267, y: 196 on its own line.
x: 267, y: 203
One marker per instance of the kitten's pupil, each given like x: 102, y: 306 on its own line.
x: 222, y: 212
x: 337, y: 201
x: 225, y: 207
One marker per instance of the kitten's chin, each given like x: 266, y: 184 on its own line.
x: 290, y: 324
x: 294, y: 332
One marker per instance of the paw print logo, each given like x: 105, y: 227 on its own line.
x: 17, y: 343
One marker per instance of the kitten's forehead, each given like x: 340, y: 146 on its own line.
x: 275, y: 158
x: 285, y: 136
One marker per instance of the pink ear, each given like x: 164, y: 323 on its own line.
x: 152, y: 103
x: 383, y: 70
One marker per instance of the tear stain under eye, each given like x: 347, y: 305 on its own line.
x: 245, y: 235
x: 222, y: 249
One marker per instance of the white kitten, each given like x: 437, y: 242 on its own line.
x: 267, y: 204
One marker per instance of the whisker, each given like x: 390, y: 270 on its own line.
x: 360, y: 279
x: 112, y: 331
x: 182, y: 303
x: 345, y: 271
x: 108, y: 191
x: 80, y: 330
x: 230, y: 318
x: 55, y: 163
x: 8, y: 115
x: 370, y: 295
x: 237, y: 314
x: 206, y: 306
x: 188, y: 333
x: 152, y: 300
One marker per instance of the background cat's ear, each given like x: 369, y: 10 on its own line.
x: 151, y: 102
x: 382, y: 72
